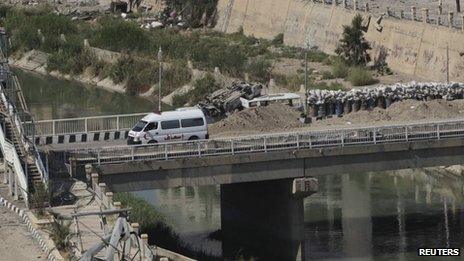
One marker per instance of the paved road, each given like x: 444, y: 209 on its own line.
x: 16, y: 243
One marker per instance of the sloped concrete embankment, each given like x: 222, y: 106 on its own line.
x: 413, y: 47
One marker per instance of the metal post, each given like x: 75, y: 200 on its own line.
x: 86, y: 125
x: 298, y: 141
x: 165, y: 151
x: 232, y: 146
x: 406, y: 133
x: 342, y: 137
x: 305, y: 104
x: 447, y: 64
x: 160, y: 57
x: 117, y: 122
x: 438, y: 131
x: 374, y: 132
x: 265, y: 145
x: 199, y: 148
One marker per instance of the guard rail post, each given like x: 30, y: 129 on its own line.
x: 438, y: 131
x: 117, y: 123
x: 298, y: 141
x: 199, y: 148
x: 342, y: 138
x: 86, y: 126
x: 374, y: 133
x: 264, y: 144
x: 232, y: 146
x: 406, y: 133
x: 165, y: 151
x: 132, y: 152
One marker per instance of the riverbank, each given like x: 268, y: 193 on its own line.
x: 36, y: 61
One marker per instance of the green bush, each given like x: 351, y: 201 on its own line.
x: 260, y: 69
x: 360, y: 76
x: 59, y: 232
x: 116, y: 35
x: 177, y: 75
x: 327, y: 75
x: 292, y: 82
x: 179, y: 100
x: 333, y: 86
x: 339, y: 68
x: 278, y: 39
x: 203, y: 87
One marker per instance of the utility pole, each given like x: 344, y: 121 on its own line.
x: 447, y: 64
x: 305, y: 104
x: 160, y: 58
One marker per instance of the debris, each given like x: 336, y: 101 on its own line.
x: 227, y: 100
x: 324, y: 103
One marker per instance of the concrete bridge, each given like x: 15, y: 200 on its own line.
x: 284, y: 167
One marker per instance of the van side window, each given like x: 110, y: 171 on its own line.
x: 166, y: 125
x: 151, y: 126
x: 192, y: 122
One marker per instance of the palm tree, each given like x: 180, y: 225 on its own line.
x: 353, y: 46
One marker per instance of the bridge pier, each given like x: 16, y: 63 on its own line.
x: 263, y: 218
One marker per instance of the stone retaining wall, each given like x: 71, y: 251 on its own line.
x: 414, y: 46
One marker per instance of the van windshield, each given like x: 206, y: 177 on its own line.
x: 139, y: 126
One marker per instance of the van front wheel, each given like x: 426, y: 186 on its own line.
x: 193, y: 138
x: 152, y: 142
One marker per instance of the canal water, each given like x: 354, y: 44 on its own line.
x: 50, y: 98
x: 365, y: 216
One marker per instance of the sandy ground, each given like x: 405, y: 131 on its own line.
x: 16, y: 243
x: 282, y: 118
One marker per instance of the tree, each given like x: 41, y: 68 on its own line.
x: 353, y: 47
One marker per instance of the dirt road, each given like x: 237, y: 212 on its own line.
x: 16, y: 243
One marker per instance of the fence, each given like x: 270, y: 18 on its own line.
x: 82, y: 125
x: 274, y: 142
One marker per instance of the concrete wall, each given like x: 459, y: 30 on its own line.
x: 413, y: 47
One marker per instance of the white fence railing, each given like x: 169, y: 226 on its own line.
x: 11, y: 156
x: 82, y: 125
x: 274, y: 142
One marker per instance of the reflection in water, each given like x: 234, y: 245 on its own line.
x: 50, y: 98
x: 364, y: 216
x: 194, y: 212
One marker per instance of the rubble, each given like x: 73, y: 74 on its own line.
x: 227, y: 100
x: 324, y: 103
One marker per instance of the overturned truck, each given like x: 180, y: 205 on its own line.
x: 227, y: 100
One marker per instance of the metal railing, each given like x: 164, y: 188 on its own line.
x: 11, y: 156
x: 120, y: 122
x: 274, y: 142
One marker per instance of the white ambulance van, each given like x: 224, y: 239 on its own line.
x: 178, y: 125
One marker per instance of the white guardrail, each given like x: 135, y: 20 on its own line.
x: 274, y: 142
x: 82, y: 125
x: 11, y: 156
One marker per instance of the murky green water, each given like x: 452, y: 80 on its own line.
x: 376, y: 216
x: 50, y: 98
